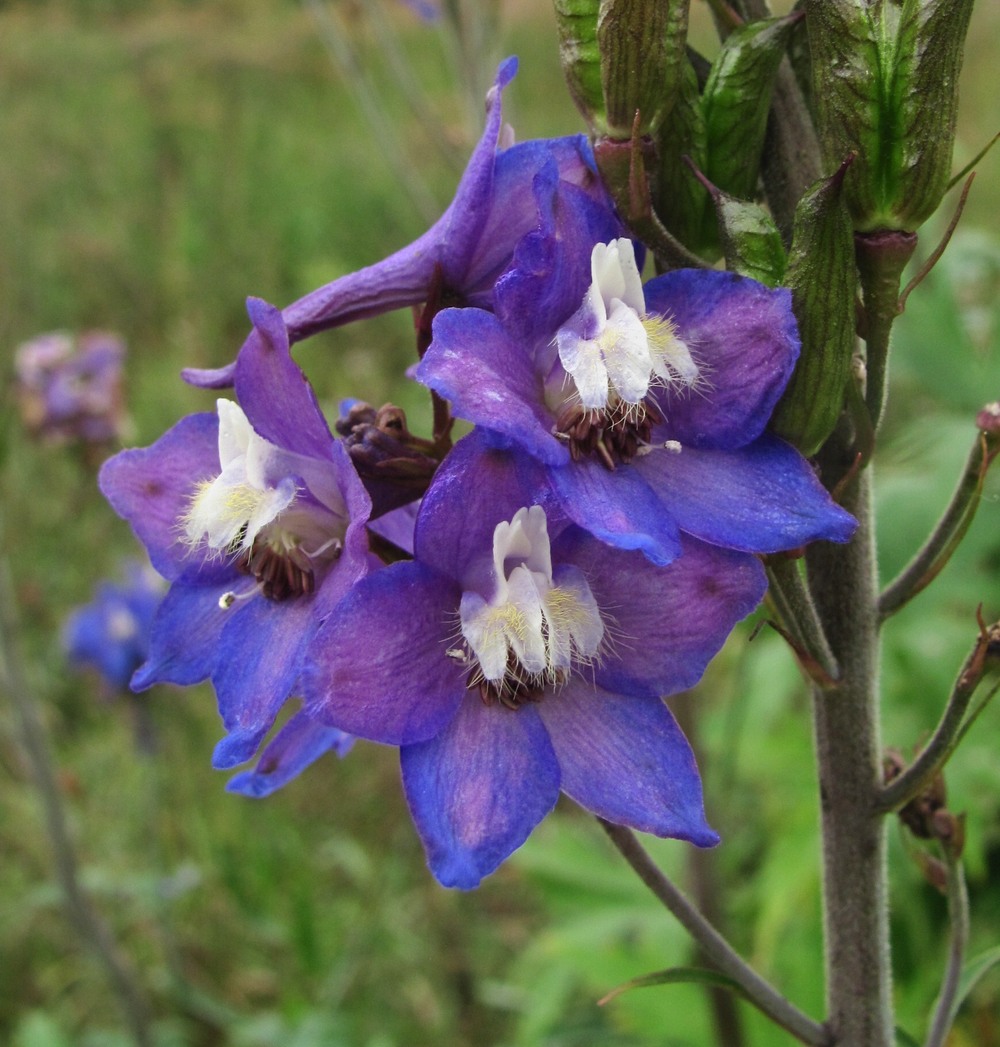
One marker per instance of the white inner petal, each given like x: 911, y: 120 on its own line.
x: 542, y: 626
x: 610, y: 347
x: 237, y: 504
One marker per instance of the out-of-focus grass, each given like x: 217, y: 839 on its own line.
x: 163, y: 160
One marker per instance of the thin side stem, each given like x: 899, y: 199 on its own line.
x: 714, y: 946
x: 92, y: 929
x: 949, y: 731
x: 935, y: 553
x: 958, y: 911
x: 848, y: 750
x: 798, y: 613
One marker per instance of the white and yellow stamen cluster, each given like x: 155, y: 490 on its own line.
x: 532, y: 632
x: 612, y: 349
x: 251, y: 511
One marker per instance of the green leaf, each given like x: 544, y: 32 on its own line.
x: 750, y: 240
x: 823, y: 280
x: 736, y: 101
x: 677, y: 976
x: 904, y: 1039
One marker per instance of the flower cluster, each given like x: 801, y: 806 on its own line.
x: 509, y: 612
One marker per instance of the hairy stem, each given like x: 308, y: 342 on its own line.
x: 855, y: 894
x: 714, y: 946
x: 958, y: 912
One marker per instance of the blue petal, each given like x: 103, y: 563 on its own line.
x: 184, y: 638
x: 616, y: 506
x: 490, y: 380
x: 626, y: 760
x: 378, y: 667
x: 744, y: 338
x: 763, y: 498
x: 298, y: 744
x: 151, y: 487
x: 476, y: 487
x: 272, y: 390
x: 664, y: 623
x: 260, y: 658
x: 551, y: 272
x: 479, y: 788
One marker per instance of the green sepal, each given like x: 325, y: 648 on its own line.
x: 682, y: 202
x: 928, y: 62
x: 576, y: 21
x: 641, y: 44
x: 736, y: 102
x: 822, y: 278
x: 751, y: 243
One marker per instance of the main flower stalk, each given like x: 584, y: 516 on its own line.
x: 848, y: 749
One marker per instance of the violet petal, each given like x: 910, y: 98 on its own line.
x: 626, y: 760
x: 479, y: 788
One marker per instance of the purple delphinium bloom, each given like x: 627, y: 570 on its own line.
x: 458, y: 260
x: 517, y: 656
x: 257, y: 518
x: 645, y: 406
x: 111, y: 633
x: 70, y: 388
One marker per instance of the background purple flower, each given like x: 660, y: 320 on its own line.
x: 70, y: 388
x: 111, y: 633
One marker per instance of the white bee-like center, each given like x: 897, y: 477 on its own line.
x: 535, y: 624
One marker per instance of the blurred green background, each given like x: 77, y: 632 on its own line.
x: 160, y: 160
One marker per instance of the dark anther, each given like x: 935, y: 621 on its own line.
x: 613, y: 434
x: 281, y: 575
x: 513, y: 691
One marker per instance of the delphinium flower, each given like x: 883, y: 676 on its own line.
x: 257, y: 518
x: 516, y: 656
x: 458, y: 260
x: 111, y: 633
x: 645, y: 407
x: 69, y: 389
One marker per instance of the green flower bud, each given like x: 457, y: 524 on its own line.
x: 681, y: 200
x: 736, y: 101
x: 621, y: 57
x: 576, y: 21
x: 885, y: 87
x: 823, y: 281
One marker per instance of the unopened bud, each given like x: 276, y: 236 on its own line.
x: 885, y: 87
x: 621, y: 57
